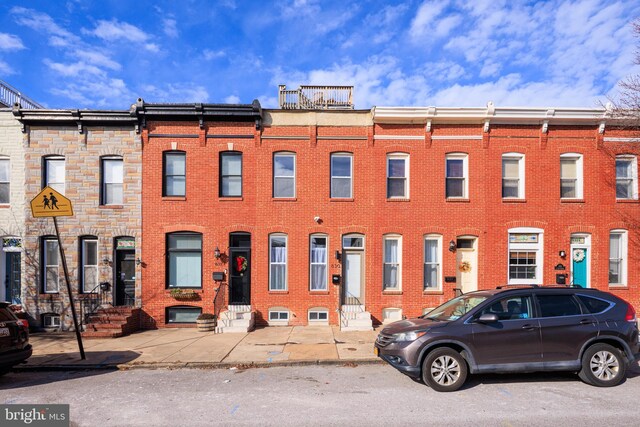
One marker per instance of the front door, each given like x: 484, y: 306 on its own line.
x: 353, y: 289
x: 12, y: 281
x: 239, y: 276
x: 125, y: 283
x: 579, y: 256
x: 467, y: 260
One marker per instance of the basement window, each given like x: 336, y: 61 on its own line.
x: 50, y: 320
x: 318, y: 316
x: 183, y: 314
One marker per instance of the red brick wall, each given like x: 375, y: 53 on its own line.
x: 484, y: 214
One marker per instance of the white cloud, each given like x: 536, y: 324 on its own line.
x: 175, y: 92
x: 232, y: 99
x: 423, y: 23
x: 42, y: 22
x: 5, y: 68
x: 210, y: 54
x: 152, y: 47
x: 74, y: 69
x: 10, y: 42
x: 170, y: 27
x: 98, y: 59
x: 95, y: 94
x: 115, y: 30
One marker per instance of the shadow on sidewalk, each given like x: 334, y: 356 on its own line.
x: 21, y: 379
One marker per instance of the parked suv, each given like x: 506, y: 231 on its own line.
x: 516, y: 329
x: 14, y: 339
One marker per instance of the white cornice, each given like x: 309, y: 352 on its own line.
x: 490, y: 114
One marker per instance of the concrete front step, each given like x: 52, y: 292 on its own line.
x: 102, y: 334
x: 355, y: 318
x: 236, y: 315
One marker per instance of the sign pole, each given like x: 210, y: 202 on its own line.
x: 66, y: 277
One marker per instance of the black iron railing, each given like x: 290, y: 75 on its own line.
x: 91, y: 301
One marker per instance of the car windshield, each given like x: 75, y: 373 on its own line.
x: 457, y: 307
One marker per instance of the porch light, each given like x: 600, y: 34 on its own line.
x: 106, y: 261
x: 562, y: 254
x: 338, y: 255
x: 216, y: 253
x: 452, y: 246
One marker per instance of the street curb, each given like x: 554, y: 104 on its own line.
x: 197, y: 365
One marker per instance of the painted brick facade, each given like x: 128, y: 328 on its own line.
x: 482, y: 215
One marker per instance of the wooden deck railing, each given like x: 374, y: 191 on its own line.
x: 10, y: 96
x: 316, y: 98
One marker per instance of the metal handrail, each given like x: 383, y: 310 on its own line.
x: 316, y: 98
x: 10, y: 96
x: 91, y: 301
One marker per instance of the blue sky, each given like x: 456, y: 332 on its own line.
x: 105, y: 54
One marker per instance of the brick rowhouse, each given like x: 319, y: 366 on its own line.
x: 474, y: 239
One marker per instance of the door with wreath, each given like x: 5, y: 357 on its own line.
x: 239, y: 276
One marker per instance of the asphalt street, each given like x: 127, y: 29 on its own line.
x: 321, y: 395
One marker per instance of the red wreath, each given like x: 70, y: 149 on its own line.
x: 241, y: 264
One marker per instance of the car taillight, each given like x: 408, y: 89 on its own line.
x: 23, y: 322
x: 631, y: 314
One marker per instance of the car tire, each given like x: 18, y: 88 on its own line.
x: 603, y: 366
x: 444, y: 369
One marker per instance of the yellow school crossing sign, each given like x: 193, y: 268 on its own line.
x: 50, y: 203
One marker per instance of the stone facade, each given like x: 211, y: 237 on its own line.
x: 82, y: 150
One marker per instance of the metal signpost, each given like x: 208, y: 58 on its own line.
x: 50, y: 203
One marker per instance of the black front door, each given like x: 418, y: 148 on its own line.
x: 125, y: 287
x: 239, y: 276
x: 12, y: 281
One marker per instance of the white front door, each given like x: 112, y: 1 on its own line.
x: 353, y: 278
x: 467, y: 259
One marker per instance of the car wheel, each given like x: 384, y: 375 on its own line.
x: 444, y: 369
x: 603, y: 366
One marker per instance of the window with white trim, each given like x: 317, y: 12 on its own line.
x: 432, y: 263
x: 284, y: 175
x: 392, y: 263
x: 231, y: 174
x: 626, y: 177
x: 341, y: 176
x: 318, y: 263
x: 278, y: 262
x: 51, y: 265
x: 457, y: 171
x: 50, y: 320
x: 174, y: 172
x: 513, y: 176
x: 318, y: 315
x: 525, y: 256
x: 398, y: 176
x: 54, y: 173
x: 618, y: 258
x: 184, y: 260
x: 112, y: 178
x: 182, y: 314
x: 5, y: 180
x: 571, y: 176
x: 89, y: 264
x: 278, y: 316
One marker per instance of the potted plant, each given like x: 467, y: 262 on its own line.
x: 206, y: 322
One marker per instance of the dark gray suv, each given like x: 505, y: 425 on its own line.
x: 516, y: 329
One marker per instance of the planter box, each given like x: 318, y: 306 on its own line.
x: 206, y: 325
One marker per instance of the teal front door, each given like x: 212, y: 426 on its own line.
x: 579, y: 257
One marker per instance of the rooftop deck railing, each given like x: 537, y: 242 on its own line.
x: 316, y: 98
x: 10, y: 95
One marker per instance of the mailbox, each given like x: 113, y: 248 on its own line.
x: 561, y: 279
x: 218, y: 276
x: 335, y: 279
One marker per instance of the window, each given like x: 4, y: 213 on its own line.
x: 174, y: 173
x: 5, y: 179
x: 278, y: 316
x: 183, y: 314
x: 54, y: 173
x: 112, y: 177
x: 594, y: 305
x: 511, y: 308
x: 558, y: 305
x: 353, y: 241
x: 397, y: 176
x: 318, y: 261
x: 231, y: 174
x: 618, y: 258
x: 571, y: 176
x: 318, y: 315
x: 456, y: 176
x: 525, y: 256
x: 392, y: 256
x: 341, y: 176
x: 278, y: 262
x: 626, y: 177
x: 184, y: 260
x: 432, y: 256
x: 89, y: 264
x: 50, y: 261
x: 513, y: 176
x: 50, y: 320
x: 284, y: 175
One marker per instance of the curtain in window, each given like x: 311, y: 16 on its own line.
x: 51, y: 266
x: 90, y: 265
x: 55, y: 175
x: 278, y: 263
x: 510, y: 177
x: 431, y: 263
x: 318, y: 263
x: 4, y: 181
x: 615, y: 258
x: 184, y: 269
x: 391, y: 263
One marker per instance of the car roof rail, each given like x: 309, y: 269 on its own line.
x: 516, y: 286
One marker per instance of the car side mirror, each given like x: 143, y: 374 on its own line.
x: 488, y: 318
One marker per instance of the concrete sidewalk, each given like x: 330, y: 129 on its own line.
x: 175, y: 348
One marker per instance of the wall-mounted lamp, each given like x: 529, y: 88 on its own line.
x: 317, y: 219
x: 452, y: 246
x: 216, y: 253
x: 338, y: 255
x: 138, y: 261
x: 562, y: 254
x: 106, y: 261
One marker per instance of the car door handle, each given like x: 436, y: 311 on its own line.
x: 530, y: 327
x: 586, y: 322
